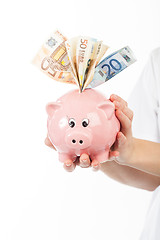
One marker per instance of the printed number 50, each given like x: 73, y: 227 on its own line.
x: 83, y: 44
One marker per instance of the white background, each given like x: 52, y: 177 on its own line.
x: 38, y: 199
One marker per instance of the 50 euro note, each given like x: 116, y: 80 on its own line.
x: 112, y: 65
x: 53, y: 59
x: 84, y: 56
x: 84, y: 53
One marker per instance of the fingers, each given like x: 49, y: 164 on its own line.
x: 84, y: 160
x: 120, y: 144
x: 95, y: 165
x: 123, y: 113
x: 115, y: 97
x: 113, y: 155
x: 122, y: 105
x: 121, y: 140
x: 48, y: 143
x: 69, y: 166
x: 128, y: 112
x: 125, y: 122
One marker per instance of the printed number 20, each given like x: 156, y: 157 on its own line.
x: 117, y: 68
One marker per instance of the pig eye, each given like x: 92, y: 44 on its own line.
x: 85, y: 122
x: 72, y: 122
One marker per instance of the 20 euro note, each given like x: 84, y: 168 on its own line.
x: 53, y: 59
x: 112, y: 65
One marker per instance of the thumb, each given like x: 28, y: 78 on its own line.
x: 113, y: 155
x: 48, y: 143
x: 121, y: 140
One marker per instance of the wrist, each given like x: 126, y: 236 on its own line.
x: 132, y: 153
x: 127, y: 153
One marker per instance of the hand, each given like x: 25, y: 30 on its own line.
x: 83, y: 161
x: 122, y: 149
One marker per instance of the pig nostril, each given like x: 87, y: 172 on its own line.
x: 73, y: 141
x: 80, y: 141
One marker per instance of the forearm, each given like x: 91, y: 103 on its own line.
x: 130, y: 176
x: 145, y: 157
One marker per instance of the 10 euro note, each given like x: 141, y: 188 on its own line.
x: 112, y: 65
x: 53, y: 59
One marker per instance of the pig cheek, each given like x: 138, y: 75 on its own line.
x: 99, y: 138
x: 56, y: 129
x: 102, y: 135
x: 111, y: 132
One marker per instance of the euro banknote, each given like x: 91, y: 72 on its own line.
x: 84, y: 53
x: 112, y: 65
x: 76, y: 60
x: 87, y: 52
x: 53, y: 60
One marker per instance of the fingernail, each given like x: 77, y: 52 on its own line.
x: 115, y: 96
x: 84, y: 160
x: 117, y: 104
x: 96, y: 165
x: 95, y: 168
x: 68, y: 164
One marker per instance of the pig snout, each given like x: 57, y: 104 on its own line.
x: 78, y: 139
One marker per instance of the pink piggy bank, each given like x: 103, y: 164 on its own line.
x: 82, y: 123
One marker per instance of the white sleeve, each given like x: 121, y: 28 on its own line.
x: 144, y: 104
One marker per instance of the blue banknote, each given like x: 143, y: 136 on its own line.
x: 112, y: 65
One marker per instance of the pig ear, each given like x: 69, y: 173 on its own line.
x: 108, y: 108
x: 52, y: 107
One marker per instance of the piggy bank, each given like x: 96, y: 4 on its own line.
x: 82, y: 123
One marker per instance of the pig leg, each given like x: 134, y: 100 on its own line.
x: 63, y: 157
x: 101, y: 156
